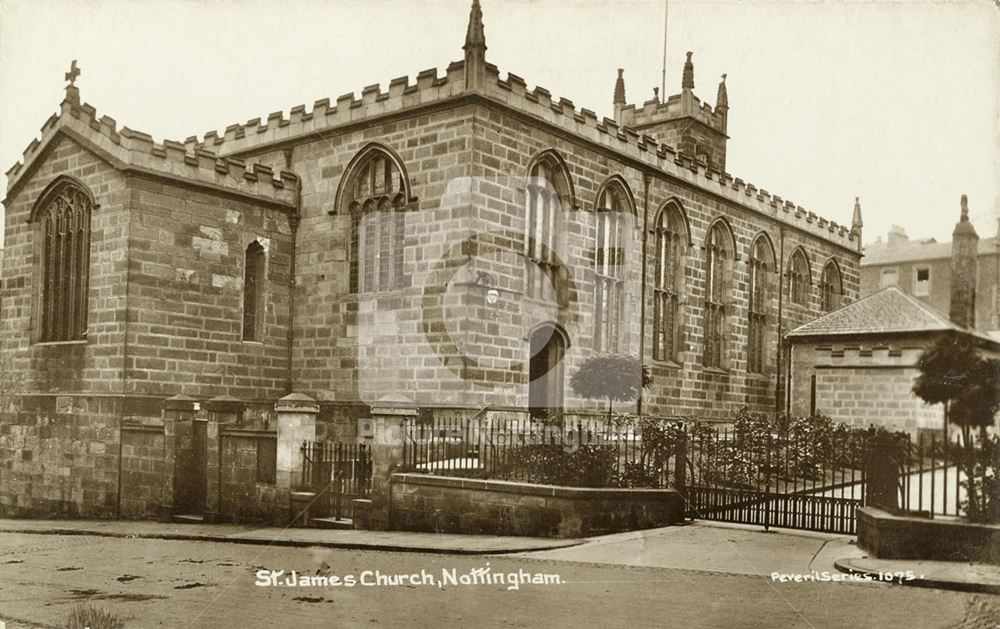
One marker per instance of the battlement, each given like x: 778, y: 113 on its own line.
x: 685, y: 105
x: 512, y: 92
x: 347, y: 108
x: 131, y: 149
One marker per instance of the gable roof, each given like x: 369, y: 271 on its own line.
x: 133, y: 151
x: 890, y: 310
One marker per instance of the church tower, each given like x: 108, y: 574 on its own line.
x: 682, y: 120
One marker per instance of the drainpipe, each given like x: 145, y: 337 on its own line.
x: 293, y: 223
x: 781, y: 303
x: 642, y: 287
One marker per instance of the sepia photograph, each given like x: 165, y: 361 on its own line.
x: 467, y: 313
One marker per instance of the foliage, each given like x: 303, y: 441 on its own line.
x: 88, y: 617
x: 551, y: 464
x: 617, y: 377
x: 628, y: 452
x: 953, y: 372
x: 982, y: 481
x: 762, y: 449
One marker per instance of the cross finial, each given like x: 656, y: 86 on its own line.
x: 73, y: 73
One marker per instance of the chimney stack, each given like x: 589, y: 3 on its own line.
x: 964, y: 247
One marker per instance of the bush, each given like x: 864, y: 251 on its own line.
x: 587, y: 466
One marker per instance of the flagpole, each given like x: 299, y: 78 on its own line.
x: 663, y: 74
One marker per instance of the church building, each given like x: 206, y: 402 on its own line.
x: 458, y: 241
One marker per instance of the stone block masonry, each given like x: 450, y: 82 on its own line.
x: 459, y: 505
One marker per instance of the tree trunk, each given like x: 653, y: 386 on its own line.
x: 610, y: 405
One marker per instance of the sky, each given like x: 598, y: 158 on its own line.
x: 897, y: 103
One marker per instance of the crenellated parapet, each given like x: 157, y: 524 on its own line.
x: 684, y: 105
x: 433, y: 88
x: 132, y: 150
x: 402, y: 94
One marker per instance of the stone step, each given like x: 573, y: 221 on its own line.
x: 189, y: 519
x: 332, y: 523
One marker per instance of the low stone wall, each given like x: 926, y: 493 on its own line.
x: 441, y: 504
x: 248, y: 489
x: 889, y: 536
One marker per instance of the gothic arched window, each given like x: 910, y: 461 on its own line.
x: 671, y: 241
x: 832, y: 287
x: 547, y: 193
x: 761, y: 264
x: 613, y: 209
x: 253, y: 292
x: 718, y: 256
x: 64, y: 222
x: 798, y: 278
x: 376, y: 193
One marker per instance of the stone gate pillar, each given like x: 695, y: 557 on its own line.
x: 296, y: 417
x: 178, y: 414
x: 385, y: 437
x: 223, y: 411
x: 883, y: 468
x: 296, y: 424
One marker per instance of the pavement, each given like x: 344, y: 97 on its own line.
x: 702, y: 546
x: 347, y: 539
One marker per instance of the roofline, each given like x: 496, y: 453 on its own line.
x: 474, y: 99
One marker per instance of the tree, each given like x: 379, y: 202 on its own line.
x: 954, y: 372
x: 617, y: 377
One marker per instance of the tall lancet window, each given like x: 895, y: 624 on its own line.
x: 253, y: 292
x: 65, y: 235
x: 832, y: 287
x: 761, y: 265
x: 613, y: 210
x: 798, y: 278
x: 718, y: 257
x: 546, y: 196
x: 671, y: 242
x: 376, y: 194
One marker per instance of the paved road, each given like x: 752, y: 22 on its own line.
x: 158, y: 583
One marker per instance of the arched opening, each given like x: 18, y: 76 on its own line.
x: 253, y: 292
x: 761, y: 265
x: 374, y: 192
x: 548, y: 192
x: 671, y: 242
x: 832, y: 287
x: 614, y: 209
x: 62, y: 219
x: 799, y: 278
x: 719, y: 255
x: 545, y: 372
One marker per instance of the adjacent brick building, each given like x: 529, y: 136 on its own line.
x: 460, y: 241
x: 924, y: 269
x: 858, y: 363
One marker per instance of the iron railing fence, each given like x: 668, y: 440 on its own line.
x: 794, y: 480
x: 337, y: 473
x: 591, y: 452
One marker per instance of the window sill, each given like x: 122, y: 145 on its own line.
x: 668, y: 364
x: 716, y: 370
x: 760, y: 377
x: 51, y: 343
x: 252, y: 342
